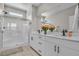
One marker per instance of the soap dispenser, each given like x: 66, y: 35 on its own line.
x: 63, y: 32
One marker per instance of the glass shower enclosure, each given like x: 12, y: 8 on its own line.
x: 13, y: 27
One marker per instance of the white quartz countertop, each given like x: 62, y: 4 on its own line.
x: 73, y: 38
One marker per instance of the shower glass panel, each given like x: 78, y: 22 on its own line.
x: 13, y: 28
x: 14, y: 33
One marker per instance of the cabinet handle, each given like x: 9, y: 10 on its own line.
x: 55, y: 48
x: 31, y: 38
x: 2, y: 31
x: 58, y: 50
x: 40, y: 51
x: 39, y: 43
x: 40, y: 37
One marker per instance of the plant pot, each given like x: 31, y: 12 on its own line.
x: 45, y: 32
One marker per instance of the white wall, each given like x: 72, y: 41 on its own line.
x: 1, y: 34
x: 1, y: 7
x: 35, y: 18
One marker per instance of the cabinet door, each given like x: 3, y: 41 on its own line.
x: 46, y: 48
x: 50, y: 49
x: 66, y: 51
x: 34, y: 41
x: 68, y: 48
x: 50, y: 46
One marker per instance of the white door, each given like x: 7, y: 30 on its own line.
x: 15, y: 32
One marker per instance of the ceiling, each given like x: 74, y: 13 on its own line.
x: 43, y: 8
x: 36, y: 4
x: 53, y: 8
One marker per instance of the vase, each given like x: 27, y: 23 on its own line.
x: 45, y: 32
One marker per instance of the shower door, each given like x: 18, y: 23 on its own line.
x: 15, y: 32
x: 13, y: 27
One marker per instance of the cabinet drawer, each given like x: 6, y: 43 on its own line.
x: 39, y: 47
x: 70, y: 44
x: 46, y: 48
x: 51, y: 40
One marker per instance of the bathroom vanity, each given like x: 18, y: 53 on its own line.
x: 55, y: 45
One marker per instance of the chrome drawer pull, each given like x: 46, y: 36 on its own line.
x: 55, y: 48
x: 40, y: 51
x: 31, y: 38
x: 39, y: 43
x: 40, y: 37
x: 58, y: 50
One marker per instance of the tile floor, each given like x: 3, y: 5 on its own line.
x: 27, y: 51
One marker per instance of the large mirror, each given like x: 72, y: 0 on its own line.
x: 62, y: 17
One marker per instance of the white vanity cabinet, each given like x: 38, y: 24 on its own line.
x: 43, y: 45
x: 54, y: 46
x: 68, y: 48
x: 66, y: 51
x: 34, y: 41
x: 65, y: 47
